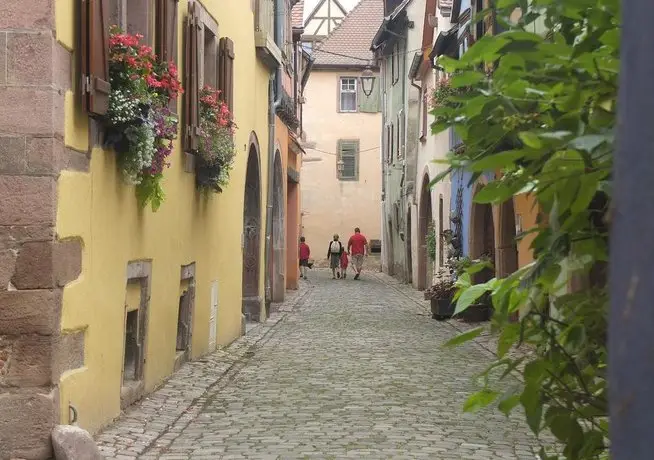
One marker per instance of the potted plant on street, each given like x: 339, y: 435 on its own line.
x: 440, y: 294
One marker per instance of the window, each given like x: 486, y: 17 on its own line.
x: 348, y: 160
x: 348, y: 94
x: 208, y: 61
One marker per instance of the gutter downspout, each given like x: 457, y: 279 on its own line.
x: 419, y: 88
x: 274, y: 102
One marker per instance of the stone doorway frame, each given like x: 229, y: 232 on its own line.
x: 277, y: 263
x: 425, y: 217
x: 251, y: 275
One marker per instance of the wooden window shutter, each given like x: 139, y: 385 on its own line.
x: 191, y: 80
x: 166, y: 43
x: 226, y: 71
x: 166, y: 21
x: 94, y: 52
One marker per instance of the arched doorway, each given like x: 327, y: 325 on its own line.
x: 251, y: 307
x: 277, y: 264
x: 425, y: 220
x: 482, y: 237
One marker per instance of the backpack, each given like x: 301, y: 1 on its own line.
x: 335, y: 247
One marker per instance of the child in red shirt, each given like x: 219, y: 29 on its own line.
x: 344, y: 262
x: 305, y: 253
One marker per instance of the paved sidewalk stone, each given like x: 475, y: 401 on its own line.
x: 345, y: 369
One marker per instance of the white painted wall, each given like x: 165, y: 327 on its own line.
x: 434, y: 147
x: 330, y: 205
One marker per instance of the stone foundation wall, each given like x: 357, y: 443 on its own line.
x: 35, y: 72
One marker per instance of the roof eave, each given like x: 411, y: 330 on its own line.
x: 381, y: 32
x: 415, y: 65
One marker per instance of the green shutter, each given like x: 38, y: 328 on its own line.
x: 348, y: 153
x: 372, y: 103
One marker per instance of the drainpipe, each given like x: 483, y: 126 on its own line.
x: 419, y: 88
x: 274, y: 102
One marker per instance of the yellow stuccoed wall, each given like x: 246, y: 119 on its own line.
x: 189, y: 227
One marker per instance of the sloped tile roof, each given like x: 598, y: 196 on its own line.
x: 349, y: 43
x: 297, y: 15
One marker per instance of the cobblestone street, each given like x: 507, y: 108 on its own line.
x: 345, y: 369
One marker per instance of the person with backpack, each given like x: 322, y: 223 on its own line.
x: 334, y: 255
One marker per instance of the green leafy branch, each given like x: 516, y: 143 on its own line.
x: 543, y: 120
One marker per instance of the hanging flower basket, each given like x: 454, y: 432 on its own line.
x: 216, y: 150
x: 139, y: 125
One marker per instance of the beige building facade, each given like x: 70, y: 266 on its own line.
x: 341, y: 172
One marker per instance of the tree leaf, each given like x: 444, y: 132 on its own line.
x: 493, y: 192
x: 507, y: 339
x: 467, y: 79
x: 588, y: 142
x: 531, y: 402
x: 530, y: 139
x: 498, y: 160
x: 507, y: 404
x: 464, y: 337
x: 484, y: 49
x: 560, y: 427
x: 588, y: 185
x: 468, y: 297
x: 480, y: 400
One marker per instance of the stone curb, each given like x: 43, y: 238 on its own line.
x: 155, y: 421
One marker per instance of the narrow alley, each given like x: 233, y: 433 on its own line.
x: 344, y: 369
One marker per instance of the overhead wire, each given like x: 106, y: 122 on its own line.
x: 336, y: 154
x: 318, y: 50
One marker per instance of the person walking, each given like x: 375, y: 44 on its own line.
x: 305, y: 253
x: 344, y: 263
x: 358, y: 248
x: 334, y: 255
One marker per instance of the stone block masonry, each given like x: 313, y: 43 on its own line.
x: 35, y: 73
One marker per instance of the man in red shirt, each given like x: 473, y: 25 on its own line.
x: 357, y: 246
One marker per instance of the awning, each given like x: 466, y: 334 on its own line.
x: 445, y: 42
